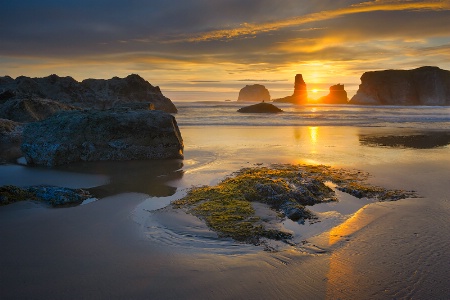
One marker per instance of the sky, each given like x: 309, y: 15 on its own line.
x: 210, y: 49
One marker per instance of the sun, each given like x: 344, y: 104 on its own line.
x: 315, y: 91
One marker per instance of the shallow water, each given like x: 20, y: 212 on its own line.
x: 129, y: 246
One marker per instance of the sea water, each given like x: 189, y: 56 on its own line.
x: 215, y: 113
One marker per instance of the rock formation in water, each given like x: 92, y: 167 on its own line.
x: 90, y: 93
x: 260, y: 108
x: 337, y: 95
x: 32, y: 109
x: 421, y: 86
x: 254, y: 93
x: 300, y: 95
x: 98, y: 135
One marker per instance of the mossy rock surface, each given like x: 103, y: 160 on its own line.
x: 227, y: 207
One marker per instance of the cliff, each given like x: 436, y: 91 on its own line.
x: 421, y: 86
x: 300, y: 95
x: 337, y: 95
x: 254, y: 93
x: 90, y: 93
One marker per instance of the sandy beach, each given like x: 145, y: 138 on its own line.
x: 131, y: 244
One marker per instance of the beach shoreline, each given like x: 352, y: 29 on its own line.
x: 111, y: 248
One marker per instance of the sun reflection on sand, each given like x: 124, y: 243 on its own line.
x: 341, y: 272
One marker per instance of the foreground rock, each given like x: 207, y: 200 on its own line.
x: 31, y: 109
x: 337, y: 95
x: 260, y: 108
x: 90, y: 93
x: 300, y: 95
x: 52, y: 195
x: 10, y: 139
x: 254, y: 93
x: 228, y: 207
x: 421, y: 86
x: 93, y: 135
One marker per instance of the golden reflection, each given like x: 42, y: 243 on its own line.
x: 313, y: 134
x: 342, y: 274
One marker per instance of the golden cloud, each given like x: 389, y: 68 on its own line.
x: 248, y: 29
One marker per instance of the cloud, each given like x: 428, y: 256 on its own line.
x: 249, y: 29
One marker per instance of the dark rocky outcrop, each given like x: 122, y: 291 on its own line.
x: 254, y: 93
x: 421, y: 86
x: 300, y: 95
x: 53, y: 195
x: 32, y: 109
x: 98, y: 135
x: 337, y: 95
x: 90, y: 93
x: 260, y: 108
x: 10, y: 139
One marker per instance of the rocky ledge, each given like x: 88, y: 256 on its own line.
x: 90, y: 93
x: 421, y: 86
x: 98, y: 135
x: 260, y: 108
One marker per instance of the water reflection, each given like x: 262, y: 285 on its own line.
x: 422, y: 140
x: 150, y: 177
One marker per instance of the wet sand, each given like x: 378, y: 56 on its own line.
x: 129, y: 246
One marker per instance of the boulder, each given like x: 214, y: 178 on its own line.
x: 337, y: 95
x: 90, y: 93
x: 300, y: 95
x: 100, y: 135
x: 32, y: 109
x: 254, y: 93
x: 10, y: 139
x: 260, y: 108
x: 421, y: 86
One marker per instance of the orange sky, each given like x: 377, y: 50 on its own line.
x: 209, y: 50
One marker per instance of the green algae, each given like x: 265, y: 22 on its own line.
x: 227, y: 207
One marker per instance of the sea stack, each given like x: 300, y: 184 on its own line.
x: 337, y: 95
x: 421, y: 86
x: 254, y: 93
x: 300, y: 95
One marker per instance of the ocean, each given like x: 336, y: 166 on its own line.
x: 215, y: 113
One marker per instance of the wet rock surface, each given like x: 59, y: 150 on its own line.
x: 102, y: 135
x: 52, y: 195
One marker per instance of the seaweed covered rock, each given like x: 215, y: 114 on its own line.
x: 288, y: 189
x: 99, y: 135
x: 52, y: 195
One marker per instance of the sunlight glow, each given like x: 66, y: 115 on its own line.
x: 313, y: 134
